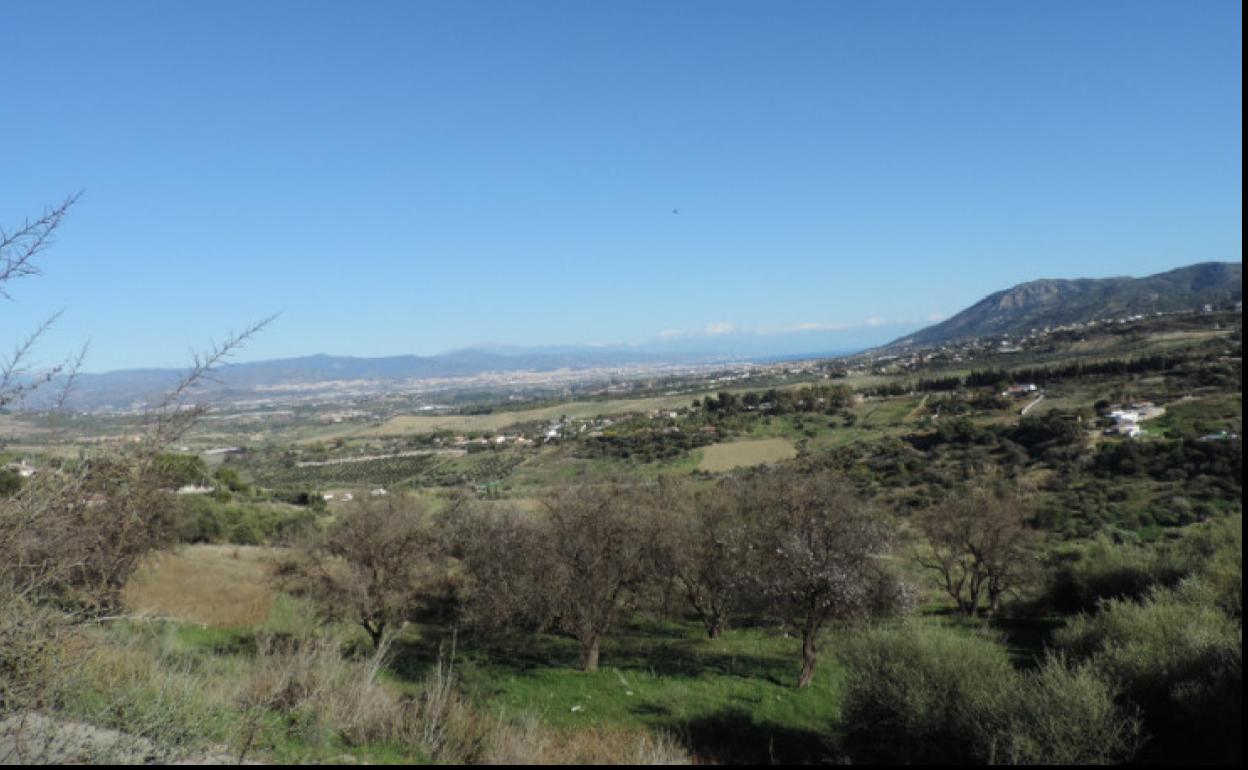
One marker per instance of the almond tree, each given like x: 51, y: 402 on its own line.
x: 371, y: 567
x: 980, y: 547
x: 573, y: 568
x: 707, y: 540
x: 821, y: 556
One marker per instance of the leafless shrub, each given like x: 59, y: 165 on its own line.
x: 72, y: 535
x: 78, y: 532
x: 18, y: 250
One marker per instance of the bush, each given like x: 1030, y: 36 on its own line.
x: 1178, y: 657
x: 206, y: 520
x: 917, y: 694
x: 924, y: 694
x: 1066, y: 715
x: 1106, y: 570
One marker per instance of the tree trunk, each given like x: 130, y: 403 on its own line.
x: 809, y: 658
x: 972, y: 600
x: 589, y: 655
x: 715, y: 628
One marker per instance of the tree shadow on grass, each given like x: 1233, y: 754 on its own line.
x: 412, y: 656
x: 1027, y: 638
x: 689, y: 659
x: 732, y: 737
x: 674, y: 656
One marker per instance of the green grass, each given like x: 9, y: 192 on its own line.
x: 1199, y: 416
x: 733, y: 698
x: 885, y: 412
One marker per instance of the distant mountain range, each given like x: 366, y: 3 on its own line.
x: 1037, y: 304
x: 317, y: 376
x: 308, y: 375
x: 1027, y: 306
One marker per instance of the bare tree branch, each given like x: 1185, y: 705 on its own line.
x: 172, y: 416
x: 19, y: 248
x: 69, y: 372
x: 13, y: 367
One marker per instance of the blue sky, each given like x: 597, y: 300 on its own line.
x: 413, y: 177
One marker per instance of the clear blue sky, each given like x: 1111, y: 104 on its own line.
x: 412, y: 177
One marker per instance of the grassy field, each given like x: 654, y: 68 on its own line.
x: 735, y: 454
x: 730, y: 699
x: 1203, y: 415
x: 220, y: 586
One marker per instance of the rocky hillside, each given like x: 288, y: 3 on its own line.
x: 1037, y: 304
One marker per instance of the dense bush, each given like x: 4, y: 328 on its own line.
x: 10, y: 482
x: 1180, y: 460
x: 1086, y: 575
x: 1176, y: 656
x: 1052, y: 429
x: 926, y: 694
x: 644, y: 444
x: 206, y: 520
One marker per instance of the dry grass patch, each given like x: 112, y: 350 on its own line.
x: 213, y: 585
x: 735, y: 454
x: 526, y: 742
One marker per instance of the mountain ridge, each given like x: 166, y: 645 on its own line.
x: 1056, y: 302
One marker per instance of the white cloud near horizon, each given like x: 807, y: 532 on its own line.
x: 721, y: 328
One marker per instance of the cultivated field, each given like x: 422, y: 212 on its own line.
x: 428, y: 423
x: 735, y: 454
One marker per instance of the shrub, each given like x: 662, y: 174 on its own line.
x: 924, y: 694
x: 1176, y: 656
x: 206, y: 520
x: 1065, y: 715
x: 1107, y: 570
x: 916, y: 694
